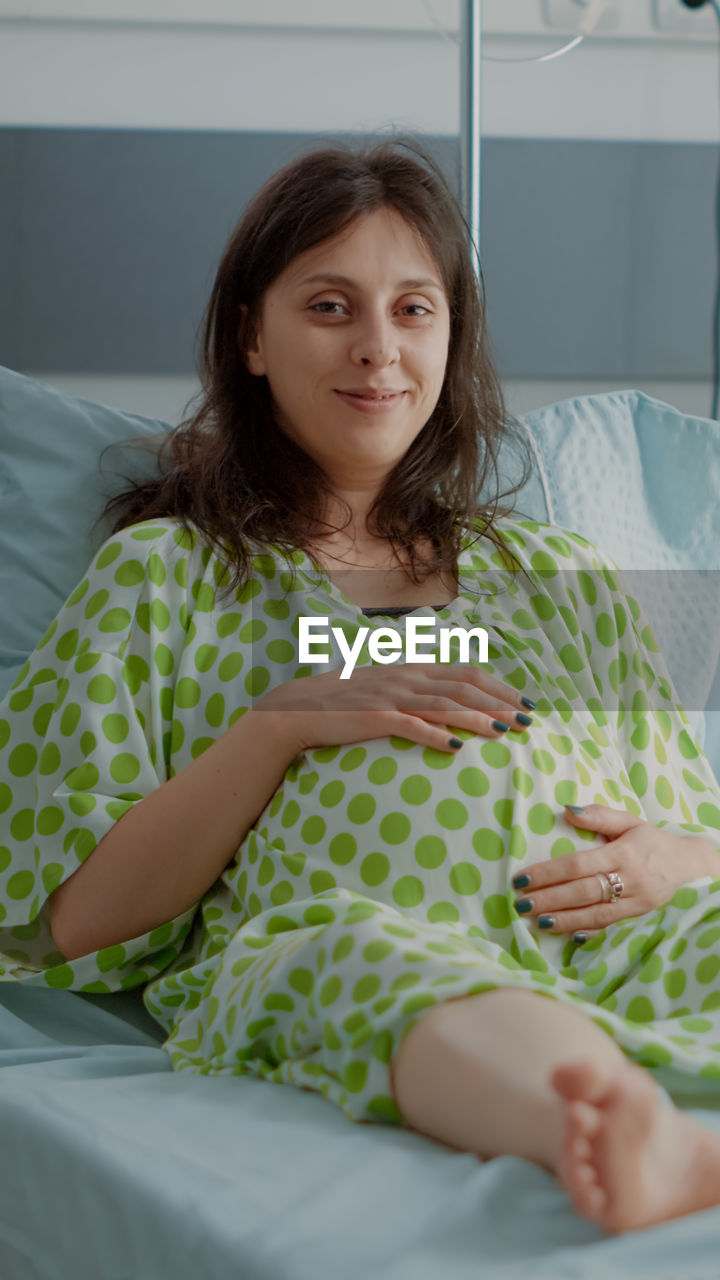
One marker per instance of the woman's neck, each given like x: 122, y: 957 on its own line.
x: 345, y: 550
x: 372, y: 574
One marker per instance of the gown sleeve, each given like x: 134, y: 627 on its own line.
x: 614, y: 655
x: 85, y: 734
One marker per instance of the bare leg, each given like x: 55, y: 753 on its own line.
x: 509, y: 1072
x: 474, y: 1072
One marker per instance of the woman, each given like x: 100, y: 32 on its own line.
x: 186, y: 804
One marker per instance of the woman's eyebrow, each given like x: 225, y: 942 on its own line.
x: 332, y: 278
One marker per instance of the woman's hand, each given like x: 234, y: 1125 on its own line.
x: 408, y: 701
x: 653, y: 863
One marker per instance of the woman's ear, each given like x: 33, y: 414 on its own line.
x: 248, y: 344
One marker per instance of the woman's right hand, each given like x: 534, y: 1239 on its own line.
x: 408, y: 701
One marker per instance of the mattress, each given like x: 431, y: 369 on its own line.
x: 116, y: 1168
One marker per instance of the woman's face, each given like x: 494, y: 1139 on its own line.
x: 384, y: 326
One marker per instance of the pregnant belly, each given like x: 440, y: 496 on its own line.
x: 437, y: 834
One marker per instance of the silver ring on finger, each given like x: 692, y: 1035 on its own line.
x: 606, y: 888
x: 617, y: 885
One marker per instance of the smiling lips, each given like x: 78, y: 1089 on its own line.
x: 371, y: 393
x: 371, y: 401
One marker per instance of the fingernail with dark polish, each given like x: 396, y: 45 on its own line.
x: 528, y: 703
x: 546, y: 922
x: 498, y: 724
x: 524, y: 904
x: 521, y: 881
x: 574, y: 808
x: 523, y: 719
x: 579, y: 938
x: 454, y: 743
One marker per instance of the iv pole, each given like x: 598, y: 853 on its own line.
x: 470, y: 120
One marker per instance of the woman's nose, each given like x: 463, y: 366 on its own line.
x: 376, y: 341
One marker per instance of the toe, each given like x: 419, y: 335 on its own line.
x: 577, y: 1081
x: 596, y: 1204
x: 581, y: 1151
x: 583, y: 1120
x: 583, y: 1188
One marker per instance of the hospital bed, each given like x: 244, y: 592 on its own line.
x: 116, y: 1168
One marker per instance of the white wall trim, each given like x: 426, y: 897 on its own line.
x: 378, y: 15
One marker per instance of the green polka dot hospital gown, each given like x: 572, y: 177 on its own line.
x: 377, y: 881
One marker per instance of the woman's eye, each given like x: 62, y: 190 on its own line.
x: 412, y: 306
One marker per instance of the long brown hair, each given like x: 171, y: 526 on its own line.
x: 233, y: 473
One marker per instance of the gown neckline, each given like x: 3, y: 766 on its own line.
x: 314, y: 575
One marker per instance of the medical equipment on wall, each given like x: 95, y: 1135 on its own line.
x: 469, y: 44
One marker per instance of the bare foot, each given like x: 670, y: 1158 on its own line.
x: 629, y: 1160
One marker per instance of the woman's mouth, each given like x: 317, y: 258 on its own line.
x: 369, y: 404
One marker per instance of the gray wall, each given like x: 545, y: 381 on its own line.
x: 598, y: 257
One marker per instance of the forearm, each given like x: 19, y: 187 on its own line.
x: 159, y: 859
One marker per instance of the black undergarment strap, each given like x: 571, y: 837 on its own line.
x: 395, y: 611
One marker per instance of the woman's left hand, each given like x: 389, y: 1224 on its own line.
x: 652, y: 862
